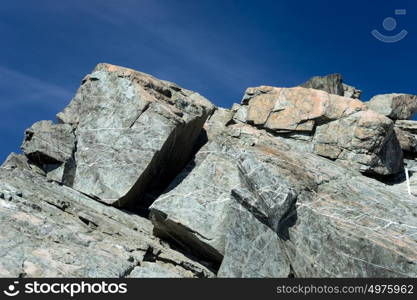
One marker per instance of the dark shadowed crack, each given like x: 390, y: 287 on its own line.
x: 145, y: 108
x: 169, y: 230
x: 70, y: 166
x: 163, y: 168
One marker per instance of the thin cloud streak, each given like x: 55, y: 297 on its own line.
x: 19, y: 90
x: 220, y: 60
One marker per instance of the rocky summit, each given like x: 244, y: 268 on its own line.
x: 139, y: 177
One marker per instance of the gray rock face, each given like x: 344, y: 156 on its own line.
x: 365, y: 141
x: 332, y: 84
x: 240, y: 113
x: 213, y: 221
x: 55, y: 231
x: 51, y: 147
x: 251, y: 249
x: 272, y: 187
x: 394, y: 106
x: 132, y: 131
x: 320, y: 211
x: 218, y: 120
x: 354, y: 228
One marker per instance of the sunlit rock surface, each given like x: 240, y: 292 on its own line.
x: 142, y: 178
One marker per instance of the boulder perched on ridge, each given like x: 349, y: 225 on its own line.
x: 394, y: 106
x: 332, y: 84
x: 132, y: 133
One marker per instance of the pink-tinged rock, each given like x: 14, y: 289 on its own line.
x: 296, y: 109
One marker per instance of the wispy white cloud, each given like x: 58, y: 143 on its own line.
x: 219, y: 58
x: 20, y: 90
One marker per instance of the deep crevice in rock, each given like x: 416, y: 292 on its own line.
x: 165, y: 166
x: 185, y: 240
x: 287, y: 221
x: 40, y: 159
x: 388, y: 179
x: 87, y: 222
x: 252, y: 209
x: 292, y: 273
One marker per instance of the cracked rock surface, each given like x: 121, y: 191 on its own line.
x: 330, y: 221
x: 55, y: 231
x: 142, y: 178
x: 132, y: 131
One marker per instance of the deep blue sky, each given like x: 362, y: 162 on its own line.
x: 218, y: 48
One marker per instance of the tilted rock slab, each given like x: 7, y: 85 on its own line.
x: 246, y: 195
x: 51, y: 147
x: 394, y: 106
x: 48, y: 142
x: 200, y: 212
x: 132, y: 132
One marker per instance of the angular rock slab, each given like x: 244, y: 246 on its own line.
x: 365, y: 141
x: 394, y: 106
x: 354, y: 227
x: 252, y: 249
x: 133, y: 131
x: 211, y: 209
x: 51, y: 147
x: 323, y: 219
x: 51, y: 230
x: 400, y: 183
